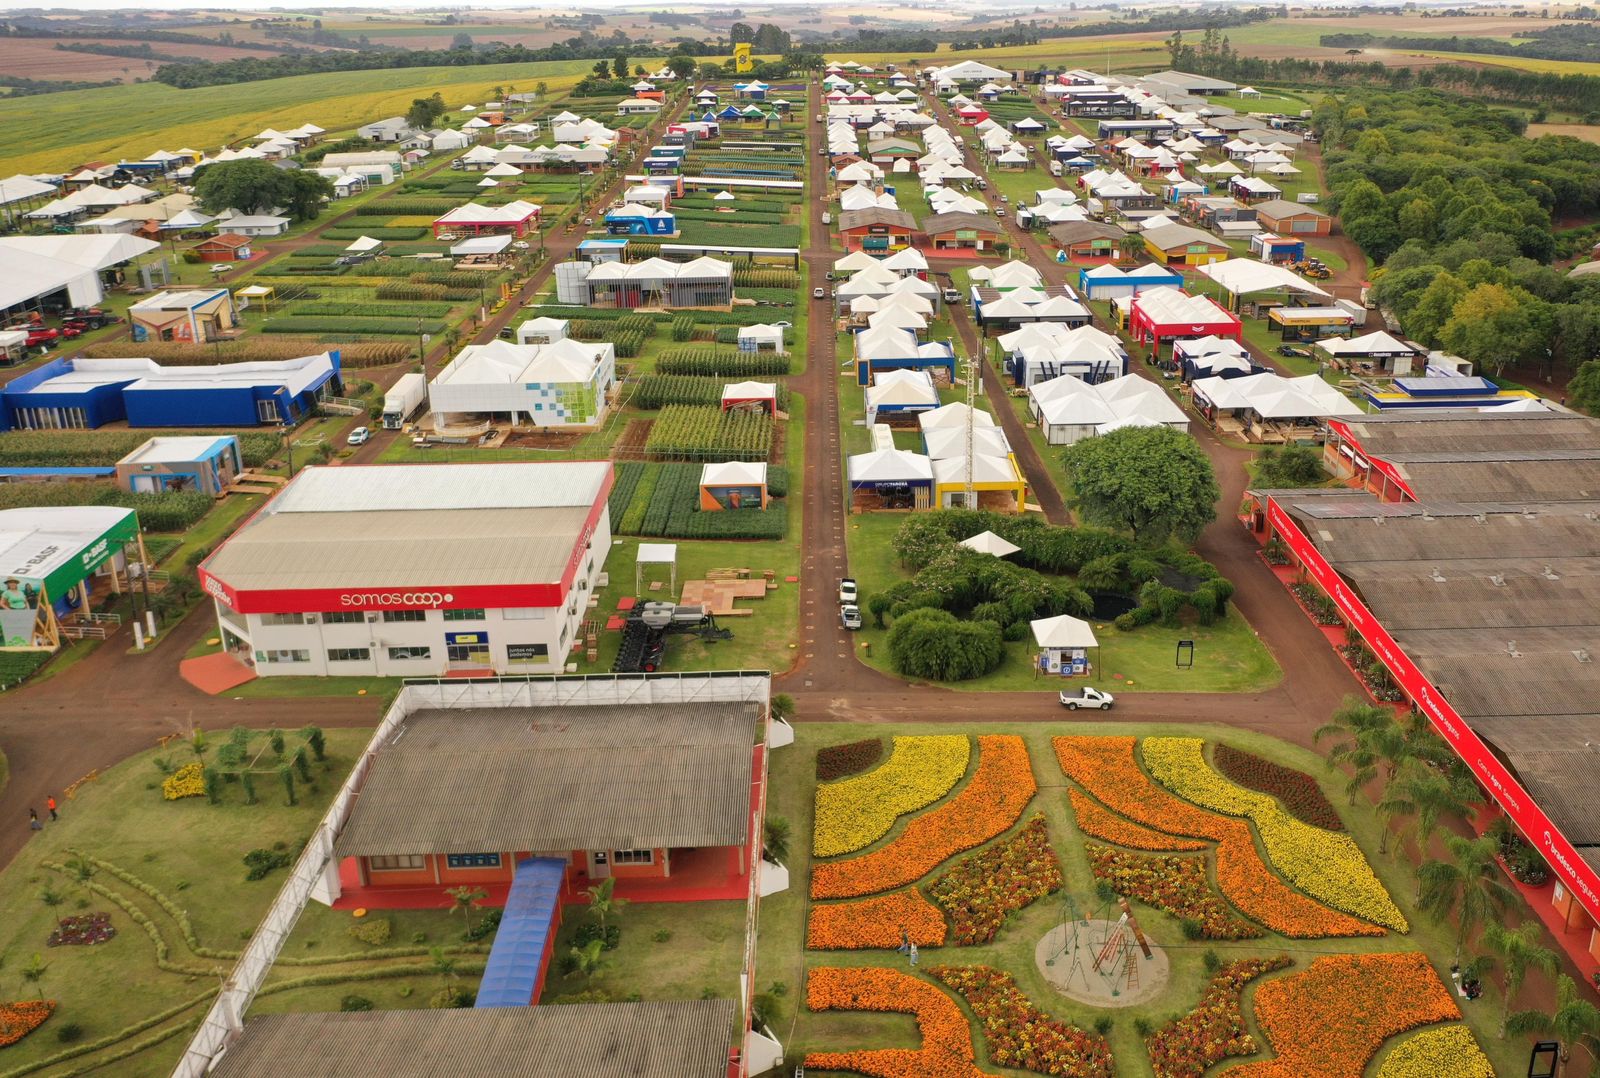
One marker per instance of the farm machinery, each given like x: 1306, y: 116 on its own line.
x: 644, y: 635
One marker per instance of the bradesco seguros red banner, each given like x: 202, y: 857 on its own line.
x: 1581, y: 879
x: 1381, y: 465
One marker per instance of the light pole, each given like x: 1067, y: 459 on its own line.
x: 422, y: 347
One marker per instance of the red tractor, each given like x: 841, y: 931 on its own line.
x: 38, y: 336
x: 87, y: 318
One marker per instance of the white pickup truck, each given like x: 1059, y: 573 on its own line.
x: 1088, y: 696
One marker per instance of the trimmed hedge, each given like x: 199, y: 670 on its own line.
x: 722, y: 362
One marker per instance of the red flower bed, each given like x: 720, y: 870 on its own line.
x: 875, y: 922
x: 1186, y: 1047
x: 851, y: 758
x: 1096, y: 821
x: 986, y: 887
x: 19, y: 1019
x: 1175, y: 884
x: 991, y: 802
x: 82, y: 931
x: 1298, y: 791
x: 1018, y: 1034
x: 946, y: 1050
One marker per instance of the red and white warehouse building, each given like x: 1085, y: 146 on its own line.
x: 1464, y: 552
x: 415, y: 570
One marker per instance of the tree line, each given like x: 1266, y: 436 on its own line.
x: 1455, y: 207
x: 1569, y: 42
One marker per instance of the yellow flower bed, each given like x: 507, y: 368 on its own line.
x: 1327, y: 866
x: 184, y: 782
x: 1446, y: 1050
x: 856, y: 812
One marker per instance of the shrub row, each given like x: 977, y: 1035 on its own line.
x: 655, y: 390
x: 170, y: 512
x: 377, y: 232
x: 723, y: 362
x: 373, y: 310
x: 382, y: 327
x: 394, y: 207
x: 742, y: 216
x: 103, y: 448
x: 765, y: 277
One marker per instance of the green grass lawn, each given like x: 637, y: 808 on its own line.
x: 1228, y: 655
x: 187, y: 850
x: 782, y: 958
x: 700, y: 955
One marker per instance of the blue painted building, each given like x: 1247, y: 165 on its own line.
x: 637, y: 220
x: 82, y: 394
x: 203, y: 463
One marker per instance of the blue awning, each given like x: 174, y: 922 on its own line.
x: 526, y: 926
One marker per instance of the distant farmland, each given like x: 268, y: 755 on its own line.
x: 38, y: 58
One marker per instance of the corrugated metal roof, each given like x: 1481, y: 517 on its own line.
x: 1442, y: 535
x: 400, y: 548
x: 573, y: 778
x: 1505, y: 480
x: 1471, y: 434
x: 380, y: 487
x: 687, y: 1039
x: 1479, y: 674
x: 1481, y: 593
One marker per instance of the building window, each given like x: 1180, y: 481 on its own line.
x: 405, y: 615
x: 523, y: 613
x: 468, y: 653
x: 283, y: 619
x: 409, y: 653
x: 472, y: 860
x: 464, y: 615
x: 349, y: 655
x: 284, y: 655
x: 343, y: 617
x: 633, y: 857
x: 397, y: 863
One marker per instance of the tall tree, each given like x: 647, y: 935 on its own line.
x: 1519, y: 950
x: 1156, y: 483
x: 1574, y: 1021
x: 1467, y: 885
x: 741, y: 33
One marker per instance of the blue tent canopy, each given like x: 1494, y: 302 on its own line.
x: 526, y: 928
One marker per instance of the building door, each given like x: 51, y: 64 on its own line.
x: 599, y: 864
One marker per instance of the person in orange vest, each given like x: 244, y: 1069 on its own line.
x: 50, y: 803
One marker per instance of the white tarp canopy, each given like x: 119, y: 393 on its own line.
x: 362, y: 244
x: 1245, y: 275
x: 1272, y: 396
x: 1063, y: 631
x: 480, y: 245
x: 20, y: 188
x: 954, y: 415
x: 990, y: 543
x: 890, y: 466
x: 32, y: 267
x: 1380, y: 343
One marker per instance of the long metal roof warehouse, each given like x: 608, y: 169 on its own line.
x: 1470, y: 565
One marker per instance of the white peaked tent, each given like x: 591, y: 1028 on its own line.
x: 990, y: 543
x: 953, y: 415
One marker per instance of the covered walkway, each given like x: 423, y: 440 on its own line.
x: 525, y: 939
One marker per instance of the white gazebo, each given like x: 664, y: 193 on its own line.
x: 1064, y: 644
x: 656, y: 554
x: 990, y: 543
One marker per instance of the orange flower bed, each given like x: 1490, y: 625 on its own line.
x: 875, y: 922
x: 1105, y: 766
x: 17, y: 1020
x: 946, y: 1050
x: 992, y: 801
x: 1330, y: 1020
x: 1095, y: 821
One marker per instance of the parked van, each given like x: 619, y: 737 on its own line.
x: 1055, y: 168
x: 827, y: 218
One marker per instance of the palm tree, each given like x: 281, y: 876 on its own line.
x: 1519, y: 950
x: 466, y: 899
x: 588, y: 959
x: 775, y: 840
x: 1425, y: 796
x: 602, y: 903
x: 52, y: 898
x: 443, y: 965
x: 1574, y: 1021
x: 1377, y: 742
x: 1468, y: 885
x: 33, y: 972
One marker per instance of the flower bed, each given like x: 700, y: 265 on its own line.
x: 1185, y: 1047
x: 187, y: 781
x: 1105, y: 766
x: 946, y: 1050
x: 1298, y: 791
x: 1018, y: 1034
x: 1317, y: 605
x: 851, y: 758
x: 986, y: 887
x: 875, y: 922
x: 1329, y: 1020
x: 19, y: 1019
x: 1448, y: 1050
x: 1177, y: 885
x: 1329, y: 867
x: 82, y: 930
x: 992, y: 801
x: 1096, y: 821
x: 859, y: 811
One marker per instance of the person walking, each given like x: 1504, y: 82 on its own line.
x: 913, y: 954
x: 50, y: 803
x: 905, y: 941
x: 33, y: 821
